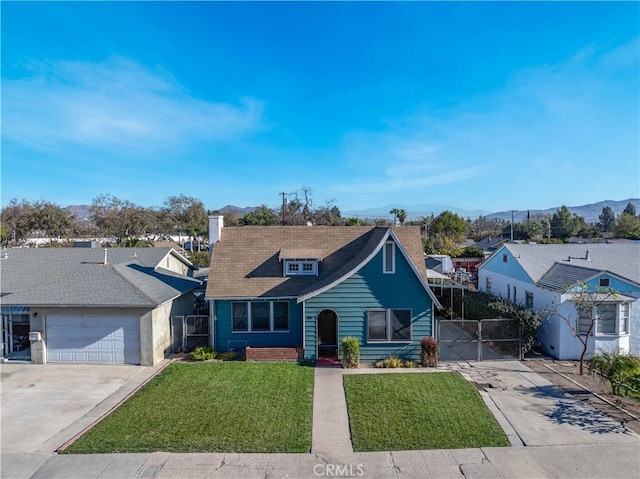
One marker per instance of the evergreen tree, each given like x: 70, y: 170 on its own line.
x: 630, y: 209
x: 607, y: 219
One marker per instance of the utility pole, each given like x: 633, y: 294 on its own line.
x: 284, y: 206
x: 512, y: 214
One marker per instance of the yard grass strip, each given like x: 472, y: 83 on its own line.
x: 212, y: 407
x: 391, y: 412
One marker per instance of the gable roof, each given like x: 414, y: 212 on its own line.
x: 78, y: 277
x: 549, y: 264
x: 246, y: 262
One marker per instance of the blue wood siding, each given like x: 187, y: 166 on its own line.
x: 371, y: 288
x: 616, y: 284
x: 511, y: 268
x: 224, y: 338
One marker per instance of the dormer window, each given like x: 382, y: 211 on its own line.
x: 300, y: 267
x: 300, y: 262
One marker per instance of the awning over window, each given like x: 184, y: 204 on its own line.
x: 300, y: 254
x: 14, y: 310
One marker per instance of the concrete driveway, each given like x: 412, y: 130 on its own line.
x: 539, y: 413
x: 43, y: 406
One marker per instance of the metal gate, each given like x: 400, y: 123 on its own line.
x: 196, y: 331
x: 471, y: 340
x: 189, y: 332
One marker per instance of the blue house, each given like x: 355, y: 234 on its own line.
x: 293, y: 292
x: 545, y: 277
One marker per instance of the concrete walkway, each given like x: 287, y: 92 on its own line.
x: 561, y: 437
x: 330, y: 420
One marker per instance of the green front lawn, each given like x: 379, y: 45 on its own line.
x: 391, y: 412
x: 212, y: 407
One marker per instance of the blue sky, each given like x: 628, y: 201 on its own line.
x: 475, y: 105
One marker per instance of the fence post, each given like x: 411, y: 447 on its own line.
x: 479, y: 333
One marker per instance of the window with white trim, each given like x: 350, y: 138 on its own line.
x: 611, y: 319
x: 624, y: 318
x: 389, y: 325
x: 528, y: 299
x: 259, y: 316
x: 389, y: 258
x: 488, y: 284
x: 300, y: 267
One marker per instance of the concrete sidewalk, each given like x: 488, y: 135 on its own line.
x: 621, y: 461
x: 330, y: 432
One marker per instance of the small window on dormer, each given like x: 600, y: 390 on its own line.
x: 300, y: 267
x: 293, y: 267
x: 604, y: 282
x: 389, y: 258
x: 505, y: 258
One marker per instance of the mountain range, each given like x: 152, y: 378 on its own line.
x: 589, y: 212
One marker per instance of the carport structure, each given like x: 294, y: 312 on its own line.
x: 92, y: 305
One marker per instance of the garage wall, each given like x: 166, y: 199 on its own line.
x: 155, y: 328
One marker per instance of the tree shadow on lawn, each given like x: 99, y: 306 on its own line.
x: 569, y: 409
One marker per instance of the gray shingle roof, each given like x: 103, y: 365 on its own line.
x: 78, y: 277
x: 246, y: 262
x: 621, y: 259
x: 560, y: 276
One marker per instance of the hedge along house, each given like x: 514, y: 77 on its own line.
x: 293, y: 292
x: 91, y: 305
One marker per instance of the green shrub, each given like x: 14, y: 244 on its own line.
x: 622, y: 371
x: 203, y: 353
x: 350, y: 352
x: 410, y: 364
x: 428, y: 352
x: 227, y: 356
x: 392, y: 362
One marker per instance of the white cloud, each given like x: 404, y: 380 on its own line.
x: 115, y: 104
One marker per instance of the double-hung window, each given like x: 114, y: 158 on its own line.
x: 260, y: 316
x: 386, y: 325
x: 608, y: 319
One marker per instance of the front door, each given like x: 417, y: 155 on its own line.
x: 327, y: 334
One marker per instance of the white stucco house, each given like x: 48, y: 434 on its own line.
x: 93, y: 305
x: 544, y: 277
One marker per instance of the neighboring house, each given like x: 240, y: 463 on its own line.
x: 490, y: 244
x: 440, y: 263
x: 297, y: 291
x: 543, y: 276
x: 93, y: 305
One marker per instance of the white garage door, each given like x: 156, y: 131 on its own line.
x: 93, y: 339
